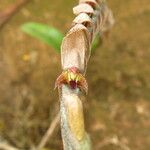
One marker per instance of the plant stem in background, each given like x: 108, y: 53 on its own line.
x: 6, y: 146
x: 11, y: 11
x: 49, y: 132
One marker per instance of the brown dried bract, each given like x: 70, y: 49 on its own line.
x: 93, y: 3
x: 84, y: 19
x: 83, y: 8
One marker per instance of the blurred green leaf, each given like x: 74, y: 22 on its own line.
x: 49, y: 35
x: 96, y: 43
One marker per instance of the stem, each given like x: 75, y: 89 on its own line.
x: 11, y: 11
x: 92, y: 17
x: 72, y: 120
x: 6, y: 146
x: 49, y: 132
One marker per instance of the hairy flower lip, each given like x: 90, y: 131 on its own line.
x: 73, y: 78
x: 73, y: 84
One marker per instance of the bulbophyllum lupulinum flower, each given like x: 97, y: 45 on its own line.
x: 73, y: 78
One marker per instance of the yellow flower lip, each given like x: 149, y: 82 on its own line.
x: 72, y: 76
x: 77, y: 79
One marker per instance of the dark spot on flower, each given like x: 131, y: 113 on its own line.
x: 73, y: 84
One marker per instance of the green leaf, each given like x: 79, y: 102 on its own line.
x: 49, y: 35
x: 96, y: 43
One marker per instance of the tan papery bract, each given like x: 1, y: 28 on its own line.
x: 83, y: 8
x: 84, y: 19
x: 75, y: 115
x: 75, y: 48
x: 93, y: 3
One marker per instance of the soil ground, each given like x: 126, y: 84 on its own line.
x: 117, y: 109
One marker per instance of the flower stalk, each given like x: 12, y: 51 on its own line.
x: 93, y: 16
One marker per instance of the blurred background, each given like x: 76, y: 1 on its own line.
x: 117, y: 109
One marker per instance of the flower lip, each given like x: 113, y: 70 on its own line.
x: 73, y: 84
x: 73, y: 78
